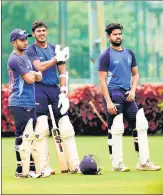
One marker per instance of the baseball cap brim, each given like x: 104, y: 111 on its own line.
x: 24, y: 36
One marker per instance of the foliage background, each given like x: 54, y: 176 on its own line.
x: 137, y: 29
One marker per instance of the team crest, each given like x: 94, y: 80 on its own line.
x: 129, y: 61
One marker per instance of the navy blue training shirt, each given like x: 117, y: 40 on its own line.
x: 34, y: 52
x: 118, y: 65
x: 22, y: 94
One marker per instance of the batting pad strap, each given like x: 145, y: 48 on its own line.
x: 62, y: 75
x: 63, y: 89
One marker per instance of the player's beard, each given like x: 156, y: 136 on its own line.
x: 41, y: 41
x: 20, y: 49
x: 116, y: 44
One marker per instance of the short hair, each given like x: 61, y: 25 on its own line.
x: 37, y: 24
x: 109, y: 28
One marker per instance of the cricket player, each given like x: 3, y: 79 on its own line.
x: 22, y: 101
x: 48, y: 58
x: 118, y: 77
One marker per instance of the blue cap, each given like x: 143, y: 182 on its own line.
x: 19, y: 34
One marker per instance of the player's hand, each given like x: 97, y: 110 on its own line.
x: 112, y: 109
x: 38, y: 75
x: 63, y: 103
x: 131, y: 96
x: 61, y: 55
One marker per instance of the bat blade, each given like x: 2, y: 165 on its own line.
x: 61, y: 154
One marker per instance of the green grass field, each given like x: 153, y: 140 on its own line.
x: 133, y: 182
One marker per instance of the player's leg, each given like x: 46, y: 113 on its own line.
x: 42, y: 110
x: 23, y: 118
x: 130, y: 109
x: 142, y: 128
x: 139, y: 125
x: 67, y: 133
x: 115, y: 132
x: 39, y: 152
x: 68, y: 136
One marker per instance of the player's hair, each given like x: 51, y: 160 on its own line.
x: 37, y: 24
x: 109, y: 28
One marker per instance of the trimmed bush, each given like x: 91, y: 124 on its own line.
x: 84, y: 118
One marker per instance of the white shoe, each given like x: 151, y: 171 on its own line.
x: 121, y: 167
x: 45, y: 172
x: 149, y: 166
x: 77, y: 170
x: 32, y: 174
x: 52, y: 171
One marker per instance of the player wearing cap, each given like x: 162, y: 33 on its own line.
x: 22, y: 101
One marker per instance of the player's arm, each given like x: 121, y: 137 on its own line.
x: 61, y: 56
x: 62, y: 78
x: 102, y: 74
x: 28, y: 77
x: 135, y: 78
x: 42, y: 66
x: 103, y: 86
x: 38, y: 75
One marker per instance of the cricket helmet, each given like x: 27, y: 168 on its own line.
x: 89, y: 165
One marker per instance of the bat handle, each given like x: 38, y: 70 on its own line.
x: 52, y: 116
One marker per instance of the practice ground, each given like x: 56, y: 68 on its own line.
x: 133, y: 182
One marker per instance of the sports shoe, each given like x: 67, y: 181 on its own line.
x: 52, y: 171
x: 45, y: 172
x: 77, y: 170
x: 31, y: 174
x: 149, y: 166
x: 121, y: 167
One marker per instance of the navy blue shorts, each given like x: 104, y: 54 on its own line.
x: 21, y: 116
x: 129, y: 109
x: 45, y: 95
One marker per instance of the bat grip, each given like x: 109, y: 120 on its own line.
x: 52, y: 116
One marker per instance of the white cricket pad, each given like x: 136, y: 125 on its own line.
x: 117, y: 130
x: 67, y: 134
x: 25, y: 148
x: 142, y: 127
x: 40, y: 144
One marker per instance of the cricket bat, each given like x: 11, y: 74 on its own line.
x: 61, y: 154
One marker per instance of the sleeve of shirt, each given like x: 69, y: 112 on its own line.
x: 103, y: 64
x: 134, y: 63
x: 31, y: 53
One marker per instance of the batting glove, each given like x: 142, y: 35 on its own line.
x: 61, y: 55
x: 63, y: 103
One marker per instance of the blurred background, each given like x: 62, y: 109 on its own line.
x: 80, y: 25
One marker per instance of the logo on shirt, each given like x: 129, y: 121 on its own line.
x: 41, y: 58
x: 116, y: 62
x: 129, y: 61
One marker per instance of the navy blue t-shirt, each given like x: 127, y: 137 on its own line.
x: 34, y: 52
x: 22, y: 94
x: 118, y: 65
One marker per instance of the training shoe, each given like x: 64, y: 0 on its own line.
x: 31, y: 174
x: 149, y: 166
x: 77, y: 170
x: 52, y: 171
x: 121, y: 167
x: 45, y: 172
